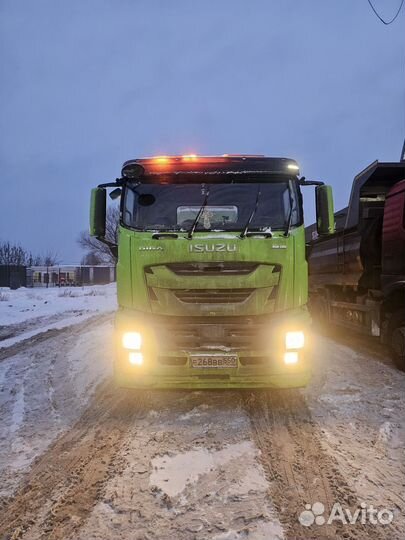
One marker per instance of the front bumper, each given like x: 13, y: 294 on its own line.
x: 167, y: 364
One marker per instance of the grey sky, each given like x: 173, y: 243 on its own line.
x: 88, y: 84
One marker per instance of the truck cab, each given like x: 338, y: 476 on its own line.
x: 212, y: 271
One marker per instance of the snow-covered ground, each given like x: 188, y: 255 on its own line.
x: 359, y: 403
x: 25, y: 312
x: 81, y: 459
x: 45, y: 384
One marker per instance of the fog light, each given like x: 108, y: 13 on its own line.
x: 132, y: 340
x: 136, y: 358
x: 294, y: 340
x: 290, y: 357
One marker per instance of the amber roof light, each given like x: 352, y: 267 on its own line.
x: 193, y: 164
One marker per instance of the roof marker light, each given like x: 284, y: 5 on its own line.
x: 161, y: 159
x: 293, y: 167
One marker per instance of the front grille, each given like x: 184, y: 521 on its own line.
x: 172, y: 360
x: 212, y: 377
x: 198, y: 336
x: 213, y: 269
x: 212, y: 296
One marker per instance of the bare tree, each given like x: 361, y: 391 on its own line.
x: 34, y: 260
x: 50, y: 258
x: 96, y: 250
x: 14, y: 254
x: 91, y: 259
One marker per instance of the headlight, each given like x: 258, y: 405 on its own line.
x: 132, y: 341
x: 290, y: 357
x: 136, y: 358
x: 294, y: 340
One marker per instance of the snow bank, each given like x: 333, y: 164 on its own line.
x: 22, y: 304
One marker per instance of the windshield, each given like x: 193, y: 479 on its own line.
x: 228, y: 207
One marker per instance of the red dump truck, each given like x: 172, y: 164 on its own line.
x: 357, y: 275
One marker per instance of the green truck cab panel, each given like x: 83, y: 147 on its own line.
x: 162, y: 276
x: 248, y: 292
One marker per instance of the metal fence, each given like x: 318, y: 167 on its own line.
x: 55, y: 276
x: 69, y: 275
x: 13, y: 276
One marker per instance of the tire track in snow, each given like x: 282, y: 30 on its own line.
x: 66, y: 480
x: 18, y: 410
x: 191, y: 471
x: 41, y: 336
x: 44, y: 390
x: 299, y: 470
x: 36, y: 323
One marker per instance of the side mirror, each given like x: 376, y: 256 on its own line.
x: 325, y: 218
x: 98, y: 212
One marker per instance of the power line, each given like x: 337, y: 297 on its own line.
x: 381, y: 19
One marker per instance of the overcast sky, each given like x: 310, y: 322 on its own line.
x: 88, y: 84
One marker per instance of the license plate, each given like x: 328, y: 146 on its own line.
x: 214, y: 361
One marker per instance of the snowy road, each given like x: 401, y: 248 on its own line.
x: 80, y: 459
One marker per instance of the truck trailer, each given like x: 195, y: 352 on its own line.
x: 212, y: 277
x: 357, y: 274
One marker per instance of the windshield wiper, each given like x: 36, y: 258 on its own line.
x: 252, y: 214
x: 290, y: 214
x: 198, y: 216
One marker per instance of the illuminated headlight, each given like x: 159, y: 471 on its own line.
x: 294, y: 340
x: 132, y: 341
x: 136, y: 358
x: 290, y: 357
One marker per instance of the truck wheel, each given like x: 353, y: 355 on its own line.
x: 397, y: 339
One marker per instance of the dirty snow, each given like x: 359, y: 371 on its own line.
x: 44, y: 391
x: 186, y: 464
x: 188, y: 469
x: 359, y: 403
x: 45, y: 387
x: 173, y: 474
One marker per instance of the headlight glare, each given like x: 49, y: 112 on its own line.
x: 294, y: 340
x: 132, y: 341
x: 136, y: 358
x: 290, y: 357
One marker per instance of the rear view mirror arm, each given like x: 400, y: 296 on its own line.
x: 118, y: 182
x: 303, y: 182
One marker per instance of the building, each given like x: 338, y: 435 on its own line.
x: 70, y: 275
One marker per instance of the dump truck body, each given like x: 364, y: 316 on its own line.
x: 357, y: 275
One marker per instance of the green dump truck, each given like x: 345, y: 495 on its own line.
x: 212, y: 272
